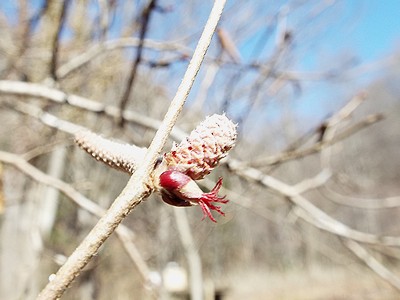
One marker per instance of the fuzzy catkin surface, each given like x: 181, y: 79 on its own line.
x: 207, y: 144
x: 122, y: 157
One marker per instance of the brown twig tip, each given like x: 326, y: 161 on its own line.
x: 228, y: 45
x: 122, y: 157
x: 193, y: 159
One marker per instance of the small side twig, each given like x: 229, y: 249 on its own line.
x: 56, y: 41
x: 373, y: 263
x: 143, y: 30
x: 361, y: 203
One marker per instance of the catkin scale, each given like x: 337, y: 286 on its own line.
x: 206, y: 145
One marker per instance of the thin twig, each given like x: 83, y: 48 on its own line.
x: 318, y: 146
x: 41, y: 91
x: 28, y: 169
x: 332, y: 125
x: 18, y: 54
x: 103, y: 18
x: 362, y: 203
x: 146, y: 14
x: 139, y: 186
x: 80, y: 60
x: 373, y: 263
x: 306, y: 209
x: 56, y: 41
x: 124, y: 234
x: 44, y: 117
x: 357, y: 249
x: 293, y: 151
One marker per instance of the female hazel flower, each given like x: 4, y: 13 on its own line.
x: 193, y: 159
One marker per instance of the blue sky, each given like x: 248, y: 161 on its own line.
x: 378, y: 31
x: 368, y: 30
x: 375, y: 32
x: 371, y: 28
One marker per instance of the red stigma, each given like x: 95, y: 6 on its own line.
x: 181, y: 190
x: 207, y: 199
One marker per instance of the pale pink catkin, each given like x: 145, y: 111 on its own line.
x: 201, y: 151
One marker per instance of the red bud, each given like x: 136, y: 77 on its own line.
x: 179, y: 189
x: 173, y: 180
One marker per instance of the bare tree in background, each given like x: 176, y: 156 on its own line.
x: 303, y: 193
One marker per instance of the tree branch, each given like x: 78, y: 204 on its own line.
x: 139, y: 185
